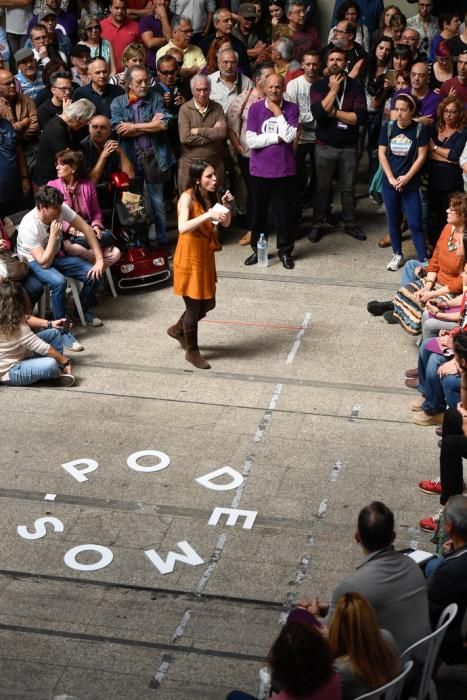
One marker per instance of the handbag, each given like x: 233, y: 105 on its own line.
x: 153, y: 172
x: 11, y: 267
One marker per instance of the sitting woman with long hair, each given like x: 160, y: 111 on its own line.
x: 301, y: 664
x: 365, y: 656
x: 27, y: 358
x: 80, y: 194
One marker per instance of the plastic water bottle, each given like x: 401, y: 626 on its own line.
x: 262, y: 250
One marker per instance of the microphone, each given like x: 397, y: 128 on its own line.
x: 232, y: 204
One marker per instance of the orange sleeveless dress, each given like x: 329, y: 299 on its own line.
x: 194, y: 266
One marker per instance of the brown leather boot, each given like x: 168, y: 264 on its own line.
x: 176, y: 332
x: 192, y: 354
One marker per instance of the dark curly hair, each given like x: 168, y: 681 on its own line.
x: 300, y: 659
x: 14, y: 307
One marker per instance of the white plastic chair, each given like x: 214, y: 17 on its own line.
x: 390, y: 691
x: 75, y: 287
x: 431, y: 644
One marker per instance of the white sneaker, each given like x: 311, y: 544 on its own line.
x: 94, y: 322
x: 395, y: 263
x: 66, y: 380
x: 74, y: 347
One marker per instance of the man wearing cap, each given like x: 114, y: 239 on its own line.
x: 66, y: 21
x: 43, y: 50
x: 99, y: 91
x: 119, y: 30
x: 57, y: 38
x: 193, y: 57
x: 245, y: 31
x: 459, y: 83
x: 79, y: 59
x: 28, y: 76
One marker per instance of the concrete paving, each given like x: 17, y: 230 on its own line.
x: 305, y: 399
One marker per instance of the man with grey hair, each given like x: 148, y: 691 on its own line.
x: 227, y: 82
x: 447, y: 578
x: 62, y: 131
x: 200, y: 11
x: 223, y: 25
x: 193, y: 57
x: 304, y: 36
x: 203, y: 129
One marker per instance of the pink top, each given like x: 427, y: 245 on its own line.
x: 82, y: 198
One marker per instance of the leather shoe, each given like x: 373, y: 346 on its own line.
x: 356, y: 233
x: 315, y: 234
x: 378, y: 308
x: 411, y: 383
x: 251, y: 259
x: 287, y: 262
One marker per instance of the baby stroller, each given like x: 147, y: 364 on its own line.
x: 140, y: 265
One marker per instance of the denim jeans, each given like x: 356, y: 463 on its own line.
x: 339, y: 162
x: 55, y: 278
x: 33, y: 288
x: 157, y: 204
x: 451, y: 384
x: 408, y: 271
x: 38, y: 367
x: 429, y: 381
x: 410, y: 202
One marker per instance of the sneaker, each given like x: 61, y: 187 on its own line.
x: 315, y: 234
x: 66, y: 380
x: 377, y: 308
x: 425, y: 419
x: 431, y: 486
x: 93, y: 321
x: 430, y: 524
x: 417, y: 404
x: 390, y: 318
x: 395, y: 263
x: 381, y: 210
x: 75, y: 346
x: 356, y: 232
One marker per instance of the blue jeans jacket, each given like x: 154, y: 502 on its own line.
x: 121, y: 111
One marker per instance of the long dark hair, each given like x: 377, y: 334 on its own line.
x: 197, y: 168
x: 14, y: 307
x: 372, y: 62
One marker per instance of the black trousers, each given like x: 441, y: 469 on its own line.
x: 453, y: 449
x: 279, y: 194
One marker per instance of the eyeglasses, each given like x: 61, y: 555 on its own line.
x: 7, y: 83
x: 339, y: 31
x: 167, y: 72
x: 94, y: 26
x: 451, y: 111
x: 63, y: 89
x: 185, y: 31
x: 40, y: 36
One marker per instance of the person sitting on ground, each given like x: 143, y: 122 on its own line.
x: 34, y: 289
x: 393, y: 584
x: 301, y: 664
x: 80, y: 195
x: 27, y: 358
x: 40, y: 244
x: 453, y: 444
x: 436, y: 282
x: 366, y: 657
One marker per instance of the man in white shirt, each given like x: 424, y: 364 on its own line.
x: 227, y: 82
x: 298, y: 91
x: 40, y: 244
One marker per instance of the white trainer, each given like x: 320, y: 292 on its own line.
x: 395, y: 263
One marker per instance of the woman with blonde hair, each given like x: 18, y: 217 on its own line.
x: 133, y: 55
x: 365, y: 656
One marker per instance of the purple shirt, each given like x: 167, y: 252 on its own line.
x: 154, y: 25
x: 277, y: 159
x: 428, y: 105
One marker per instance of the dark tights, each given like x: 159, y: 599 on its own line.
x: 196, y: 309
x: 453, y: 449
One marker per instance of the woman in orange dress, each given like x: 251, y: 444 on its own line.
x: 194, y: 266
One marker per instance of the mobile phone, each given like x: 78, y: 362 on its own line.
x: 391, y: 77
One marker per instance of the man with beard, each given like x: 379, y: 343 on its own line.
x: 227, y: 82
x: 338, y: 103
x: 343, y: 38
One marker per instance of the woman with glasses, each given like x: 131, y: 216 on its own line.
x: 443, y: 67
x: 91, y: 36
x: 447, y: 141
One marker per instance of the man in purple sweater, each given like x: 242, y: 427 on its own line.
x: 270, y: 134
